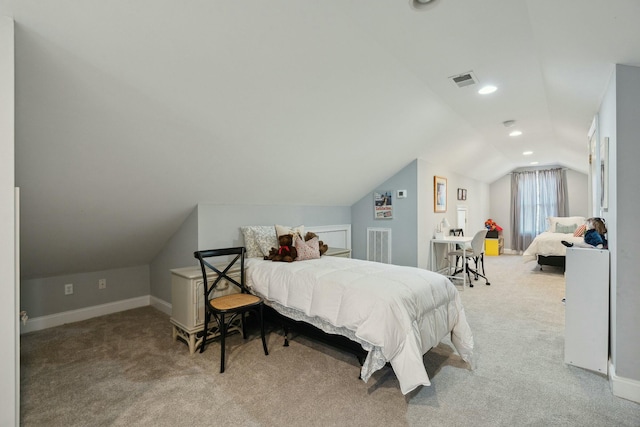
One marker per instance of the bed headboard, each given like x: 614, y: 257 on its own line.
x: 335, y: 236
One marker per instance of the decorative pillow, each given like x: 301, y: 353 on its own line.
x: 563, y: 220
x: 259, y: 239
x: 295, y: 231
x: 253, y: 250
x: 580, y: 231
x: 566, y: 228
x: 307, y: 250
x: 266, y: 238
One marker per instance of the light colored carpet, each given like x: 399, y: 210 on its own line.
x: 124, y: 369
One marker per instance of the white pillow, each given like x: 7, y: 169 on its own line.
x: 258, y: 239
x: 297, y: 232
x: 564, y: 220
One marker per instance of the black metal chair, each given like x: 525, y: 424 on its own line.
x: 233, y: 304
x: 456, y: 232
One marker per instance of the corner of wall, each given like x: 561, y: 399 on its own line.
x: 176, y: 253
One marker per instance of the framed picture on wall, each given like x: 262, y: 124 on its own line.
x: 462, y: 194
x: 439, y: 194
x: 382, y: 205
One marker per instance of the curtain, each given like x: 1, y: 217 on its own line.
x: 536, y: 195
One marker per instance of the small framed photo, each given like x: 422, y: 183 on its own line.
x: 462, y: 194
x: 439, y: 194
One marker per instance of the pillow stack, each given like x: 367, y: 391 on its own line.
x: 259, y: 239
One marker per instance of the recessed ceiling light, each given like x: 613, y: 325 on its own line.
x: 487, y: 90
x: 527, y: 153
x: 420, y: 4
x: 533, y: 163
x: 515, y: 133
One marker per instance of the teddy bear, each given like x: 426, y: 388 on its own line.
x: 310, y: 235
x: 286, y: 252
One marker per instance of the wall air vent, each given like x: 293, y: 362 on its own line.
x: 465, y: 79
x: 379, y: 244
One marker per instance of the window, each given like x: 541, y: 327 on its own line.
x: 536, y: 195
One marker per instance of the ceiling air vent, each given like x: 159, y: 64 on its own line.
x: 466, y: 79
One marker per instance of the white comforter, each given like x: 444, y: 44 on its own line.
x: 548, y: 244
x: 396, y: 313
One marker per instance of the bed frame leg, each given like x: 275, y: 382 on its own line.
x: 286, y: 338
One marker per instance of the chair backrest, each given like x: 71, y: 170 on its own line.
x: 477, y: 244
x: 209, y: 270
x: 456, y: 232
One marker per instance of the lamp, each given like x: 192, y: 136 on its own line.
x: 444, y: 223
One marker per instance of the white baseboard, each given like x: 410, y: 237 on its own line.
x: 624, y: 388
x: 161, y: 305
x: 44, y: 322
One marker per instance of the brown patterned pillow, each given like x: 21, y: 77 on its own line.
x: 307, y: 250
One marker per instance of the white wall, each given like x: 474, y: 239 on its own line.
x: 500, y: 210
x: 477, y: 204
x: 403, y: 224
x: 177, y: 252
x: 9, y: 362
x: 578, y: 192
x: 45, y: 296
x: 619, y: 122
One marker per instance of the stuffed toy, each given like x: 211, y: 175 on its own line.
x: 323, y: 247
x: 286, y: 252
x: 594, y: 236
x: 491, y: 225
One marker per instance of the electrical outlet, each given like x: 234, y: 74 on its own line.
x: 102, y: 284
x: 68, y: 289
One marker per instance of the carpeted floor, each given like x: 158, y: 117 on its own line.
x: 124, y: 369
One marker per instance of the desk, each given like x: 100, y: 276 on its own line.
x: 451, y: 240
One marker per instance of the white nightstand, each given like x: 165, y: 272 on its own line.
x: 187, y: 305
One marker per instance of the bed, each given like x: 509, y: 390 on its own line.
x: 392, y: 314
x: 547, y: 247
x: 396, y: 314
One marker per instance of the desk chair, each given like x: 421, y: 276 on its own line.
x: 233, y: 304
x: 456, y: 232
x: 475, y: 253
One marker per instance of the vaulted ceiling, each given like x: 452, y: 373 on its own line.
x: 130, y: 113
